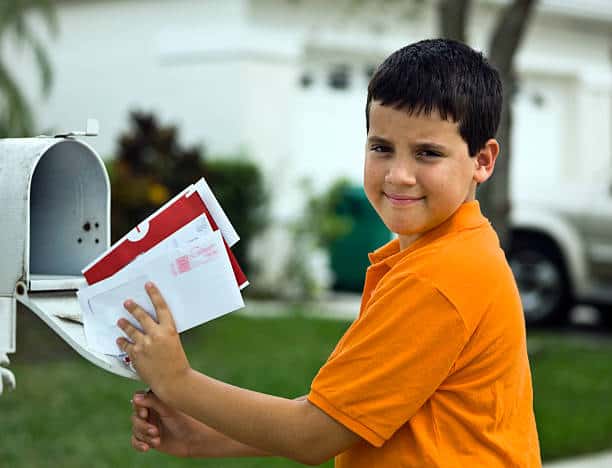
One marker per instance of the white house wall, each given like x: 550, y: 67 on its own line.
x: 114, y: 57
x: 229, y: 74
x: 563, y: 109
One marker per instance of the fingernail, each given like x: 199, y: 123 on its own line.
x: 138, y: 397
x: 151, y: 431
x: 149, y: 285
x: 142, y: 413
x: 127, y: 303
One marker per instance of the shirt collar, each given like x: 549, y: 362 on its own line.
x: 467, y: 216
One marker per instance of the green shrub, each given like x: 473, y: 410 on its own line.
x: 239, y: 186
x: 312, y: 234
x: 321, y: 219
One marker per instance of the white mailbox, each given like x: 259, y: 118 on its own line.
x: 55, y: 202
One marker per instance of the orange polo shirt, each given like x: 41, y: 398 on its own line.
x: 434, y: 372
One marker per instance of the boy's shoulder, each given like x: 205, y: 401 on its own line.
x: 474, y: 250
x: 469, y: 268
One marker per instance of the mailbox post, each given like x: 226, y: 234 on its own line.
x: 55, y: 200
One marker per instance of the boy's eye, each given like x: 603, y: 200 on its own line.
x: 428, y: 154
x: 380, y: 149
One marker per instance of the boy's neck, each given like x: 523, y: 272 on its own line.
x: 407, y: 240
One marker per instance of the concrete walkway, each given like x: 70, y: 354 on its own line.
x: 336, y: 306
x: 602, y: 460
x: 345, y: 306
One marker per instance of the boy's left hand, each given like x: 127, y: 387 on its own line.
x: 156, y: 352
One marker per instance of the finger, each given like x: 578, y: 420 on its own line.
x: 139, y: 410
x: 130, y: 330
x: 125, y: 346
x: 142, y: 413
x: 139, y: 445
x: 153, y: 442
x: 150, y: 442
x: 144, y: 319
x: 143, y: 430
x: 150, y: 400
x: 164, y: 316
x: 154, y: 417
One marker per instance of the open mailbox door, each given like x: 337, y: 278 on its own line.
x: 55, y: 199
x: 52, y: 307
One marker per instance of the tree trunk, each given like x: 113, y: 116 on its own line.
x: 494, y: 195
x: 452, y: 17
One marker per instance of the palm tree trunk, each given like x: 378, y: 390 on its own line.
x: 494, y: 195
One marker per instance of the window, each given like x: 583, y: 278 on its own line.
x: 306, y: 80
x: 369, y: 71
x: 339, y: 77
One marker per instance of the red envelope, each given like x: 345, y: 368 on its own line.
x: 162, y: 224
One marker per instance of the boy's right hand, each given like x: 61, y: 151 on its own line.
x: 156, y: 425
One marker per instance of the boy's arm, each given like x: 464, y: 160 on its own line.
x: 291, y: 428
x: 294, y: 429
x: 156, y: 425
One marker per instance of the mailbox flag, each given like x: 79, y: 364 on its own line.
x: 194, y: 201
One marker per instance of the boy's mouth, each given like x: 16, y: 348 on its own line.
x: 402, y: 200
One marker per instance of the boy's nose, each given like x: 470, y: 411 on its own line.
x: 401, y: 173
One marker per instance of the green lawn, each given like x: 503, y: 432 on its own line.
x: 572, y: 378
x: 68, y: 413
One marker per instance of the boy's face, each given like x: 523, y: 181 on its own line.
x: 418, y: 170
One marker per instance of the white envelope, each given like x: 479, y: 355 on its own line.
x: 229, y: 233
x: 196, y: 280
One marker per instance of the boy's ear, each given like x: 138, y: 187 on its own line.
x: 484, y: 161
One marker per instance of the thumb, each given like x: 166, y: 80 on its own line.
x: 150, y: 401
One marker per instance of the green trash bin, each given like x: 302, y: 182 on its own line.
x: 349, y: 253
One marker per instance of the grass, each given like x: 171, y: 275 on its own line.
x: 572, y: 379
x: 69, y: 413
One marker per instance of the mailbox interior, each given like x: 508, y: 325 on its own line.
x: 69, y: 214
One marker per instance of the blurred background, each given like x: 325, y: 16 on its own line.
x: 265, y: 99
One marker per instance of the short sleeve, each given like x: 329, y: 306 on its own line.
x: 391, y: 360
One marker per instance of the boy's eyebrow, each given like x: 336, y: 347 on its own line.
x: 377, y: 139
x: 430, y: 145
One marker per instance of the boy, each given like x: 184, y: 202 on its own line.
x: 434, y: 372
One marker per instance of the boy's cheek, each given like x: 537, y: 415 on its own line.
x: 373, y: 174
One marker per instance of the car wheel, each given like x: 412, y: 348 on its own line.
x: 542, y: 280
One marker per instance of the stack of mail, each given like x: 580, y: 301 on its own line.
x: 184, y: 248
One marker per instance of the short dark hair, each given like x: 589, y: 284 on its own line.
x: 443, y: 75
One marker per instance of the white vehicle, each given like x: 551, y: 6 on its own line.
x: 561, y: 184
x: 559, y: 257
